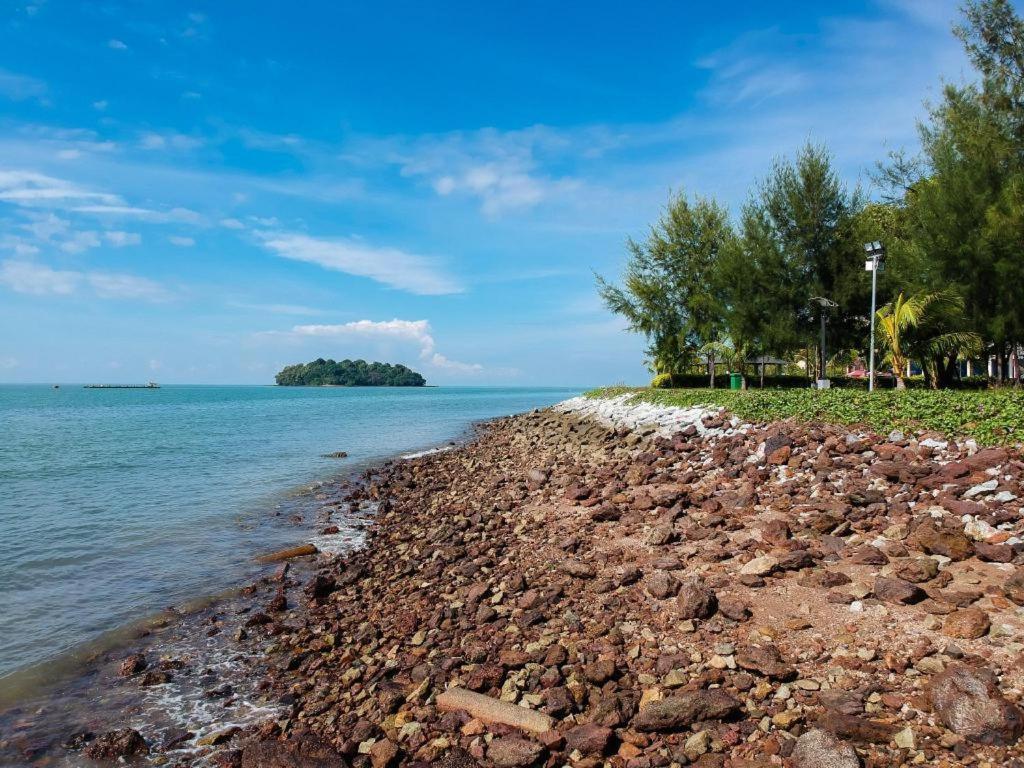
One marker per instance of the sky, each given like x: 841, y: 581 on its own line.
x: 206, y: 192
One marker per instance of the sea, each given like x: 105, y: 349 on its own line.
x: 118, y: 503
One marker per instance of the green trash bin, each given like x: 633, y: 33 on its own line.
x: 735, y: 381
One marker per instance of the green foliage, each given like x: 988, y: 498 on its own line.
x: 348, y: 373
x: 662, y: 381
x: 668, y: 290
x: 991, y: 417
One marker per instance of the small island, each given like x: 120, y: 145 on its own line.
x: 348, y: 373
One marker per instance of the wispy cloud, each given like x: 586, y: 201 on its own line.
x: 181, y: 242
x: 390, y: 266
x: 417, y: 332
x: 32, y: 188
x: 40, y: 280
x: 278, y: 309
x: 20, y: 87
x: 117, y: 45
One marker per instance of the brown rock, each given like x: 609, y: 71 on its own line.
x: 126, y: 742
x: 662, y: 584
x: 898, y: 591
x: 968, y: 701
x: 916, y: 569
x: 302, y: 751
x: 933, y: 540
x: 696, y: 600
x: 383, y: 754
x: 679, y: 711
x: 456, y: 758
x: 821, y: 749
x: 856, y: 728
x: 132, y: 665
x: 765, y: 660
x: 967, y: 624
x: 513, y: 752
x: 589, y: 739
x: 492, y: 710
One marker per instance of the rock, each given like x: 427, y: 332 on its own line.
x: 898, y: 591
x: 589, y: 739
x: 695, y: 599
x: 821, y: 749
x: 513, y: 752
x: 336, y: 455
x: 733, y: 608
x: 126, y: 742
x: 537, y: 476
x: 577, y: 569
x: 600, y: 671
x: 662, y: 584
x: 493, y: 711
x: 1014, y: 587
x: 856, y: 728
x: 302, y: 751
x: 680, y: 710
x: 933, y: 540
x: 760, y: 566
x: 383, y: 754
x: 967, y: 624
x: 916, y: 569
x: 765, y: 660
x: 132, y: 665
x: 456, y: 758
x: 968, y: 701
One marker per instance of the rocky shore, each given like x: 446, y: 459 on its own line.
x: 591, y: 584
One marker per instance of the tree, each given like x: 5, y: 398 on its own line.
x: 921, y: 324
x: 668, y: 291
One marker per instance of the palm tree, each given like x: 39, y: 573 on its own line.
x: 921, y: 324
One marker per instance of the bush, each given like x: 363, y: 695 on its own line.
x: 662, y: 381
x: 992, y: 417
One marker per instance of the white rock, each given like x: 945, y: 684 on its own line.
x: 980, y: 488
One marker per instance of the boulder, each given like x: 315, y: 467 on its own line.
x: 126, y: 742
x: 968, y: 701
x: 677, y: 712
x: 967, y: 624
x: 589, y: 739
x: 514, y: 752
x: 695, y: 599
x: 821, y: 749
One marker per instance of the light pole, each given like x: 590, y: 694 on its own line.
x: 824, y: 304
x: 876, y: 252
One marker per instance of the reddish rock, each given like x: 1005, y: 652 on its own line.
x: 589, y: 739
x: 966, y: 624
x: 696, y: 600
x: 679, y: 711
x: 132, y: 665
x: 821, y: 749
x: 933, y: 540
x: 968, y: 701
x: 765, y: 660
x: 513, y: 752
x: 898, y: 591
x: 126, y: 742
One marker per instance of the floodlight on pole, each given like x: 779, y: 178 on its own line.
x: 876, y: 252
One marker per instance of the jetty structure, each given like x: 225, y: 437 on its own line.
x: 147, y: 385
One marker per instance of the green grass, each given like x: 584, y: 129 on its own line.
x: 992, y: 417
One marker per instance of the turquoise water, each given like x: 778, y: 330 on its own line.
x: 116, y: 503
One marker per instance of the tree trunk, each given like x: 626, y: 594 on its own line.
x: 762, y: 374
x: 900, y: 383
x: 1016, y: 359
x: 711, y: 367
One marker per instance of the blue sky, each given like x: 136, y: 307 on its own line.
x: 197, y: 193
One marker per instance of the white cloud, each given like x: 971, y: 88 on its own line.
x: 8, y: 363
x: 40, y: 280
x: 173, y: 141
x: 20, y: 87
x: 232, y: 224
x: 390, y: 266
x: 28, y: 188
x: 414, y: 331
x: 69, y: 154
x: 116, y: 45
x: 278, y: 309
x: 183, y: 242
x: 80, y: 241
x: 101, y: 105
x: 120, y: 239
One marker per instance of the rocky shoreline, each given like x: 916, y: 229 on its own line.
x: 594, y: 584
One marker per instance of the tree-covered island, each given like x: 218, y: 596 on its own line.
x: 348, y: 373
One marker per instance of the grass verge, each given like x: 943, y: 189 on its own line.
x: 991, y: 417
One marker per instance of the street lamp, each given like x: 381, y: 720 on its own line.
x: 824, y: 304
x: 876, y: 252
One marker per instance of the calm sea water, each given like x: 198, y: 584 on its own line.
x: 116, y: 503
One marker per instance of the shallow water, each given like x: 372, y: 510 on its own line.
x: 115, y: 504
